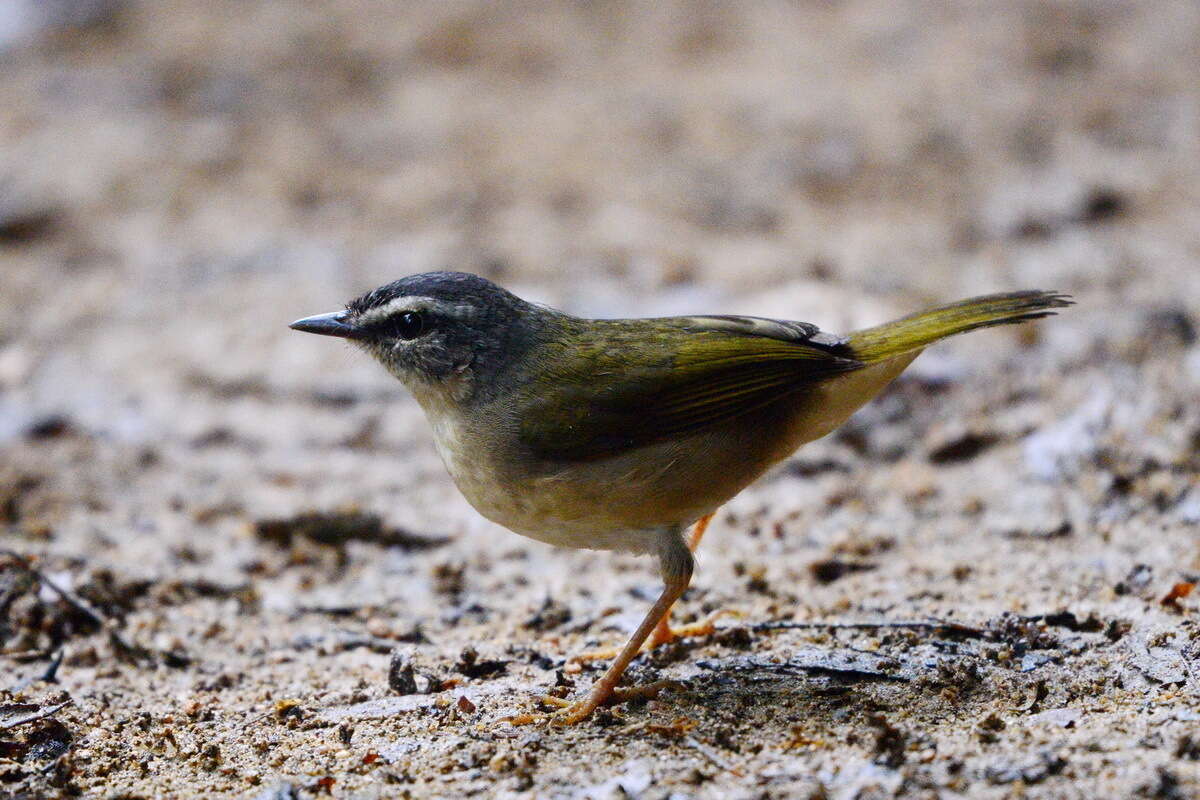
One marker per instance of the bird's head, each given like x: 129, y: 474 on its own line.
x: 438, y: 332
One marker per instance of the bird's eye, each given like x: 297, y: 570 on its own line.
x: 408, y: 325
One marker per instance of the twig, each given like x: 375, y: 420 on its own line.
x: 933, y: 625
x: 47, y: 676
x: 76, y: 602
x: 33, y: 716
x: 82, y: 606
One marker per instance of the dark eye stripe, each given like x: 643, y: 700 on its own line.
x: 405, y: 325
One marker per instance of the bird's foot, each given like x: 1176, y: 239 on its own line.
x: 572, y: 713
x: 663, y: 634
x: 588, y: 656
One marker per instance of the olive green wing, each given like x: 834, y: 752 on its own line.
x: 622, y: 385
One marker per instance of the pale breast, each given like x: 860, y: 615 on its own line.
x: 566, y: 508
x: 622, y: 502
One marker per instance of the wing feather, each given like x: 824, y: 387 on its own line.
x: 635, y: 382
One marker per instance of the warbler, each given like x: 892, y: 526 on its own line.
x: 619, y: 434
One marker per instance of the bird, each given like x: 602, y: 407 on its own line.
x: 624, y: 434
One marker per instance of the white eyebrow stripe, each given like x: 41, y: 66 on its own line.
x: 393, y: 306
x: 414, y: 302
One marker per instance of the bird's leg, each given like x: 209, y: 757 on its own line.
x: 698, y: 531
x: 664, y: 633
x: 675, y: 562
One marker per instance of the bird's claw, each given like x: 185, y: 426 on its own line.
x: 572, y: 713
x: 665, y: 634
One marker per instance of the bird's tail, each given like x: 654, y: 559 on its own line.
x: 925, y: 327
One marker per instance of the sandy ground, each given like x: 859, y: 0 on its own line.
x: 976, y: 588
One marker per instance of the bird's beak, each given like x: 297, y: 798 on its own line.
x: 333, y: 324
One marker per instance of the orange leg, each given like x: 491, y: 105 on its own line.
x: 675, y: 562
x: 664, y: 633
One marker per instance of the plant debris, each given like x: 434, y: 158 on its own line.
x: 339, y: 527
x: 843, y: 663
x: 831, y: 569
x: 403, y: 678
x: 963, y: 447
x: 15, y: 714
x: 470, y: 665
x: 890, y: 742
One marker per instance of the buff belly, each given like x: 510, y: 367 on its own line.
x: 625, y: 502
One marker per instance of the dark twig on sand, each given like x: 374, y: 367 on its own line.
x: 122, y: 645
x: 930, y: 625
x: 23, y: 714
x: 49, y: 675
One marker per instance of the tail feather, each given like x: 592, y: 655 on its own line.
x: 925, y: 327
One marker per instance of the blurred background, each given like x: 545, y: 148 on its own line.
x: 180, y: 180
